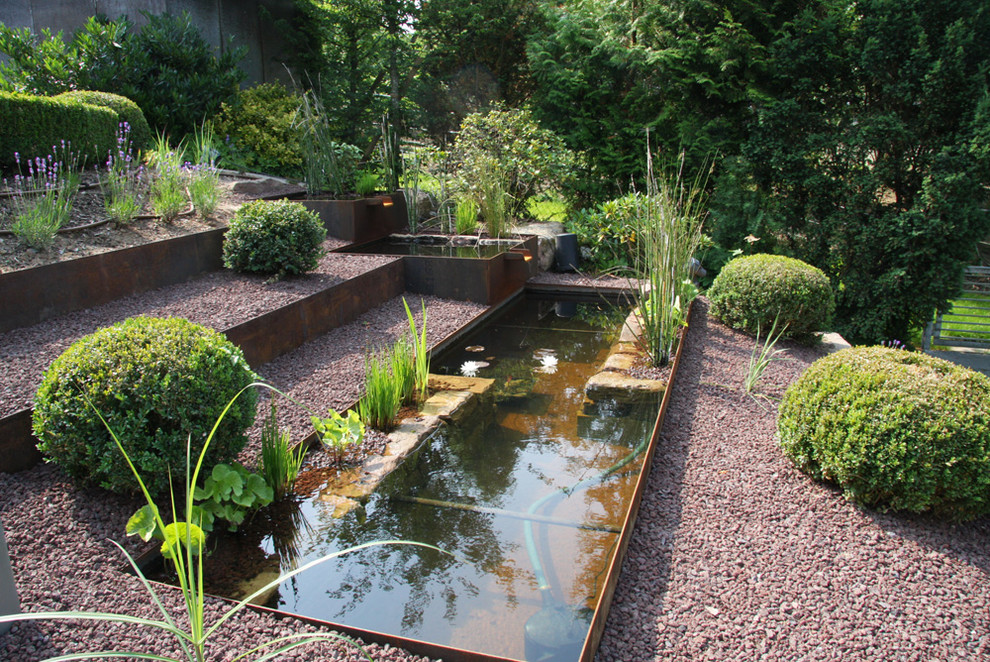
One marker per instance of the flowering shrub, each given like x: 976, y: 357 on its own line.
x: 123, y: 185
x: 43, y: 199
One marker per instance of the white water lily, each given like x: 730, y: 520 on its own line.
x: 548, y: 361
x: 471, y: 368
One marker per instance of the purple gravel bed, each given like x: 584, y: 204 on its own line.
x: 218, y: 300
x: 738, y: 556
x: 56, y: 530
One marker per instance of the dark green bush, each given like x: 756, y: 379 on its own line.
x: 893, y: 429
x: 280, y: 238
x: 752, y: 291
x: 606, y: 233
x: 31, y: 125
x: 158, y: 383
x: 258, y: 133
x: 127, y: 110
x: 171, y: 72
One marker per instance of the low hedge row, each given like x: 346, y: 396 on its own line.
x: 127, y: 110
x: 32, y: 125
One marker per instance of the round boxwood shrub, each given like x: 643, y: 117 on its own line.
x: 158, y: 383
x: 274, y: 237
x: 127, y: 110
x: 753, y: 290
x: 893, y: 429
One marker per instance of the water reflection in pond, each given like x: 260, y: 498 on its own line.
x: 533, y: 451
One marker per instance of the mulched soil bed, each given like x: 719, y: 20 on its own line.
x: 738, y: 556
x: 218, y: 300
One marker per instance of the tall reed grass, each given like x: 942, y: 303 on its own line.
x: 668, y: 223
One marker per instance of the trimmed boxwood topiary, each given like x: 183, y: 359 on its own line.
x: 893, y: 429
x: 274, y: 237
x: 31, y: 125
x: 127, y: 110
x: 158, y: 383
x: 753, y: 290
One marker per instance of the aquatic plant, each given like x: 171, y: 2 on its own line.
x: 338, y: 433
x: 421, y: 354
x: 667, y: 223
x: 280, y: 463
x: 466, y: 216
x: 382, y: 391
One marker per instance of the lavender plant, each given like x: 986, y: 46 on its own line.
x: 42, y: 200
x: 168, y: 196
x: 123, y: 185
x: 203, y: 175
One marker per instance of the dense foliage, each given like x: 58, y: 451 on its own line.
x: 127, y: 111
x: 258, y: 131
x: 167, y: 68
x: 33, y: 124
x: 159, y: 384
x: 606, y: 233
x: 528, y: 158
x: 754, y: 292
x: 893, y: 429
x: 274, y: 237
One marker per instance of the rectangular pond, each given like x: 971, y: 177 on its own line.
x: 529, y: 494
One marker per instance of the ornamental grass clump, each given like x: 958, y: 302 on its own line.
x: 753, y: 291
x: 278, y: 238
x: 667, y: 227
x: 160, y: 384
x: 894, y: 430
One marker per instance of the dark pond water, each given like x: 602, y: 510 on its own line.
x: 534, y: 448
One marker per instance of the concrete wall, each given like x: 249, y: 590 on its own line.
x: 217, y: 20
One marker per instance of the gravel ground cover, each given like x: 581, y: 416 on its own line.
x: 218, y: 300
x: 738, y: 556
x: 735, y: 556
x: 56, y: 530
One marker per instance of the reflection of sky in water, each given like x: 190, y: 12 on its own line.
x: 547, y: 359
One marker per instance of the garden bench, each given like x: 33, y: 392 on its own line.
x: 966, y: 322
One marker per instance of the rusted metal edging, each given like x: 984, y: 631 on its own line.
x: 262, y: 339
x: 615, y: 567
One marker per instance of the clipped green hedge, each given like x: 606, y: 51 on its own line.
x: 274, y: 237
x: 158, y: 383
x: 893, y: 429
x: 127, y: 110
x: 752, y: 291
x: 31, y: 125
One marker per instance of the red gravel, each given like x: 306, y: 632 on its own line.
x: 738, y: 556
x: 735, y: 556
x: 218, y: 300
x: 56, y: 530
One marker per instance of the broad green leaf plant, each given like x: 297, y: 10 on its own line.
x: 183, y: 543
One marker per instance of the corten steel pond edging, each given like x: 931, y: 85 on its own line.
x: 486, y: 281
x: 30, y: 296
x: 615, y: 567
x: 262, y: 339
x: 362, y: 219
x: 451, y: 654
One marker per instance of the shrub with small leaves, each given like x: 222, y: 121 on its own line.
x: 279, y: 238
x: 893, y: 429
x: 755, y: 291
x: 158, y: 383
